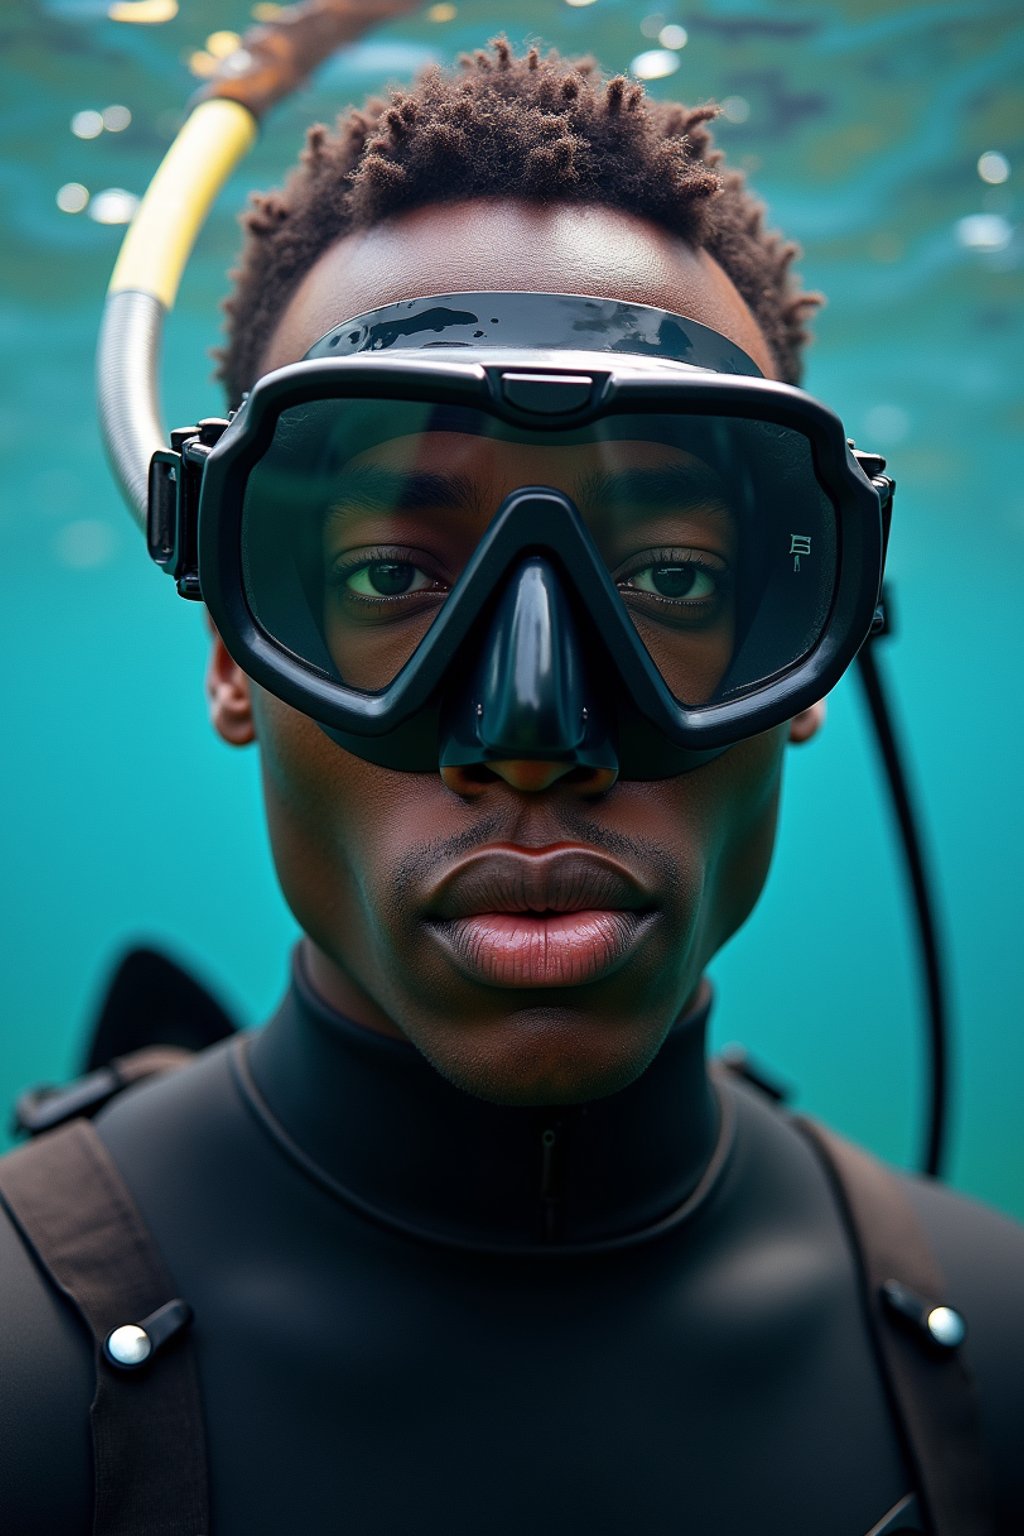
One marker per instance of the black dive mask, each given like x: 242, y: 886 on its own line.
x: 529, y: 526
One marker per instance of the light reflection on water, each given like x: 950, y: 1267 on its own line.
x: 886, y: 140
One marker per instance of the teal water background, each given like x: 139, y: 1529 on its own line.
x: 125, y: 820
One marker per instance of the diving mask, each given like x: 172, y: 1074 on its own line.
x: 487, y: 526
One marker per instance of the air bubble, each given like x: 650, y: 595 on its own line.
x: 87, y: 125
x: 72, y: 197
x: 655, y: 64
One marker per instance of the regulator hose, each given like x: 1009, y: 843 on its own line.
x: 929, y: 948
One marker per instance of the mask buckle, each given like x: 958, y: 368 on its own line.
x: 172, y: 518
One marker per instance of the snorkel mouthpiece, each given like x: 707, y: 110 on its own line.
x: 530, y: 696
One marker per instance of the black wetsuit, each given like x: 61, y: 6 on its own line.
x: 395, y: 1335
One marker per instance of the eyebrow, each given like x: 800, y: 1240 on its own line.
x: 670, y: 486
x: 372, y: 487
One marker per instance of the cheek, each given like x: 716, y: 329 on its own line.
x: 714, y: 832
x: 745, y: 817
x: 317, y: 805
x: 338, y: 827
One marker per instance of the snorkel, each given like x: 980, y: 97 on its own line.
x: 157, y: 471
x: 220, y: 129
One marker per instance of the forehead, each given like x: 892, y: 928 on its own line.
x: 513, y: 246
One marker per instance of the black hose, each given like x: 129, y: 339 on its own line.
x: 927, y: 931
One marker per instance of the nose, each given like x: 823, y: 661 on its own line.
x: 529, y: 776
x: 527, y: 710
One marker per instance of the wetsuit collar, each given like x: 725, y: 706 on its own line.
x: 373, y: 1117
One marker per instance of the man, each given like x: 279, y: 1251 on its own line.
x: 471, y: 1239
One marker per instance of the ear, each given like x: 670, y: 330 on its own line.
x: 807, y: 723
x: 229, y: 694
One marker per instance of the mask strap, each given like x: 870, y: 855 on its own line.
x: 550, y: 322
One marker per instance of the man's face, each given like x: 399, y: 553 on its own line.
x: 533, y: 931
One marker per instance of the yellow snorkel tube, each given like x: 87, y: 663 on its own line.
x: 220, y: 129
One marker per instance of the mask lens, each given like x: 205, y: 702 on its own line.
x: 733, y: 575
x: 362, y: 514
x: 354, y: 532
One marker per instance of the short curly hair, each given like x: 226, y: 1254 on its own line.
x: 542, y: 128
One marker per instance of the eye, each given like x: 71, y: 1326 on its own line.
x: 686, y: 579
x: 386, y: 578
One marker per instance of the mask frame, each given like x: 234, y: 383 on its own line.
x: 397, y: 726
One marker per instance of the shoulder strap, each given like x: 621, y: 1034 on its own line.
x: 928, y: 1382
x: 72, y: 1206
x: 43, y: 1108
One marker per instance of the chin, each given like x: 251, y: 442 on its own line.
x: 539, y: 1062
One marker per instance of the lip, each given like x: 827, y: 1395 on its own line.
x: 554, y: 917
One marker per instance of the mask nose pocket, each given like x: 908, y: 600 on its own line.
x: 531, y: 693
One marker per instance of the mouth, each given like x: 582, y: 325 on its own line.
x: 555, y: 917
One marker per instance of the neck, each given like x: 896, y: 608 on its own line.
x: 374, y: 1117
